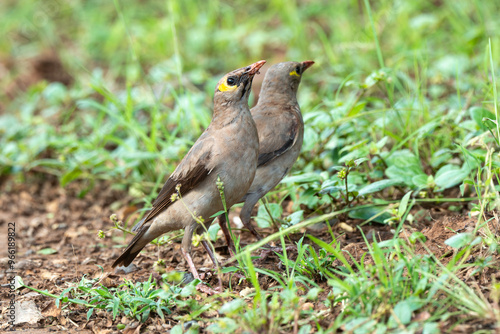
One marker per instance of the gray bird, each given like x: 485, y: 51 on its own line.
x: 227, y: 149
x: 281, y: 131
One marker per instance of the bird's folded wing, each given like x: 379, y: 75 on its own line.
x: 192, y: 170
x: 278, y: 138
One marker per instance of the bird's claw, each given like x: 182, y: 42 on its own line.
x: 208, y: 290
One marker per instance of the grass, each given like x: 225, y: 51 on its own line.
x: 401, y: 108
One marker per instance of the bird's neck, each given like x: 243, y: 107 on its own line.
x: 277, y: 96
x: 273, y: 90
x: 227, y: 114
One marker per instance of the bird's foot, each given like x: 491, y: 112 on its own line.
x: 208, y: 290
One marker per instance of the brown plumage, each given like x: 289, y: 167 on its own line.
x: 227, y: 149
x: 281, y: 131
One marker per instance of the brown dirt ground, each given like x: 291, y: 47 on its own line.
x: 48, y: 216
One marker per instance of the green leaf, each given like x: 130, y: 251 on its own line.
x: 103, y: 293
x: 460, y: 240
x: 420, y: 181
x: 302, y: 178
x: 295, y: 217
x: 431, y: 328
x: 189, y: 289
x: 415, y: 236
x: 89, y: 313
x: 212, y: 231
x: 116, y: 304
x: 478, y: 113
x: 263, y: 219
x: 177, y: 329
x: 233, y: 306
x: 70, y: 176
x: 357, y: 109
x: 404, y: 310
x: 378, y: 186
x: 223, y: 325
x: 403, y: 205
x: 451, y: 175
x: 305, y: 329
x: 46, y: 251
x: 218, y: 213
x: 313, y: 293
x: 370, y: 212
x: 404, y: 166
x: 359, y: 161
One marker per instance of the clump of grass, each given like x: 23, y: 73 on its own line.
x: 139, y: 300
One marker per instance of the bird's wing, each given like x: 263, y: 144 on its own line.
x: 277, y: 136
x: 192, y: 170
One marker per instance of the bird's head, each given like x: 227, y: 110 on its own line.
x: 235, y: 86
x: 284, y: 77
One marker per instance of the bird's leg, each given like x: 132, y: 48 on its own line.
x: 246, y: 213
x: 227, y: 235
x: 200, y: 287
x: 189, y: 260
x: 214, y: 260
x: 211, y: 254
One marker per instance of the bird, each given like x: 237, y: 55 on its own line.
x: 281, y: 130
x: 227, y: 152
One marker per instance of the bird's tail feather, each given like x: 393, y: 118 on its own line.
x: 128, y: 256
x: 138, y: 225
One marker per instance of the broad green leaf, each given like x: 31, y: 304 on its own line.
x: 233, y: 306
x: 212, y: 231
x: 263, y: 219
x: 450, y: 175
x: 404, y: 166
x: 378, y: 186
x: 295, y: 217
x: 404, y: 310
x: 478, y: 113
x: 460, y: 240
x: 223, y: 325
x: 431, y: 328
x: 177, y: 329
x: 302, y: 178
x: 420, y: 181
x: 369, y: 212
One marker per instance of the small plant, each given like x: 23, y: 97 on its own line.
x: 313, y: 264
x: 138, y: 300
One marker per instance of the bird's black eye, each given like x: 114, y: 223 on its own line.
x: 298, y: 69
x: 231, y: 81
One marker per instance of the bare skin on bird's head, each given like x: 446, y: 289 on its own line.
x: 227, y: 149
x: 281, y: 130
